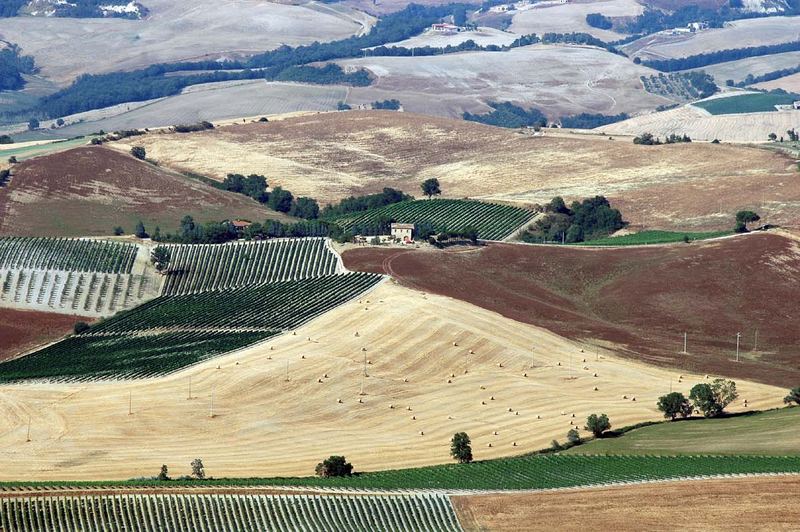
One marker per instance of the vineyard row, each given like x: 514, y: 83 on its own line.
x: 67, y: 254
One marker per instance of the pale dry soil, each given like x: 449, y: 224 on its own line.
x: 330, y: 156
x: 571, y: 17
x: 732, y: 504
x: 264, y: 425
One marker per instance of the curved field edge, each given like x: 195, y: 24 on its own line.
x: 529, y: 472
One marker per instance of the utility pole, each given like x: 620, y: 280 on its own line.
x: 755, y: 342
x: 287, y: 371
x: 685, y: 339
x: 29, y: 429
x: 190, y: 388
x: 211, y: 413
x: 130, y: 403
x: 738, y: 336
x: 365, y: 365
x: 533, y: 358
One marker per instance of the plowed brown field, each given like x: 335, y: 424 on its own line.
x: 731, y: 504
x: 89, y: 191
x: 22, y: 330
x: 639, y: 301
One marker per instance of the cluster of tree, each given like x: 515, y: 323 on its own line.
x: 334, y: 466
x: 6, y: 139
x: 190, y: 128
x: 5, y: 175
x: 648, y: 139
x: 654, y: 20
x: 598, y: 20
x: 708, y: 399
x: 139, y: 152
x: 255, y: 186
x: 365, y: 203
x: 793, y: 135
x: 586, y: 220
x: 160, y: 257
x: 417, y: 51
x: 10, y: 8
x: 12, y: 66
x: 720, y: 56
x: 193, y: 233
x: 702, y: 82
x: 506, y: 114
x: 750, y: 79
x: 330, y: 74
x: 78, y: 9
x: 743, y: 218
x: 444, y: 237
x: 390, y: 105
x: 591, y: 121
x: 276, y: 229
x: 252, y: 185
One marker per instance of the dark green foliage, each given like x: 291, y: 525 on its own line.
x: 253, y: 185
x: 163, y: 474
x: 10, y: 8
x: 80, y: 327
x: 198, y: 470
x: 574, y: 437
x: 509, y: 115
x: 5, y: 175
x: 160, y: 257
x: 6, y: 139
x: 75, y: 8
x: 208, y: 233
x: 341, y: 106
x: 461, y: 448
x: 674, y: 404
x: 334, y: 466
x: 597, y: 20
x: 365, y: 203
x: 793, y: 396
x: 140, y: 231
x: 330, y: 74
x: 139, y: 152
x: 390, y: 105
x: 280, y: 200
x: 12, y: 66
x: 743, y: 218
x: 306, y: 208
x: 646, y: 139
x: 711, y: 399
x: 33, y: 124
x: 201, y: 126
x: 597, y: 425
x: 591, y: 121
x: 590, y: 219
x: 430, y: 187
x: 720, y: 56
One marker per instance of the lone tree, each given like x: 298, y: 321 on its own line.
x: 33, y: 123
x: 674, y: 404
x: 334, y: 466
x: 461, y: 448
x: 793, y: 397
x: 160, y: 257
x: 574, y: 437
x: 597, y: 425
x: 80, y: 327
x: 743, y: 218
x: 711, y: 399
x: 164, y: 473
x: 140, y: 231
x: 430, y: 187
x: 139, y: 152
x: 198, y: 471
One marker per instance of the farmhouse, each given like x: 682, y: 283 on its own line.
x: 403, y: 232
x: 796, y: 105
x: 445, y: 28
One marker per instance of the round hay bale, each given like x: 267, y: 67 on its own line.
x: 303, y: 357
x: 510, y: 409
x: 499, y: 364
x: 421, y: 433
x: 483, y: 402
x: 483, y: 387
x: 413, y: 418
x: 369, y: 362
x: 360, y: 400
x: 339, y: 401
x: 516, y: 413
x: 471, y: 352
x: 573, y: 414
x: 272, y: 348
x: 524, y: 374
x: 455, y: 344
x: 495, y: 433
x: 514, y: 444
x: 363, y: 349
x: 538, y: 416
x: 581, y: 350
x: 325, y: 376
x: 408, y: 408
x: 391, y: 407
x: 624, y: 396
x: 594, y: 375
x: 595, y: 388
x: 449, y: 381
x: 405, y: 379
x: 491, y: 398
x: 559, y: 363
x: 319, y: 381
x: 633, y: 398
x: 489, y: 445
x: 452, y: 375
x: 218, y: 367
x: 294, y: 333
x: 356, y: 334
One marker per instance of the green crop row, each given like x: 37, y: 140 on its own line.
x: 68, y: 254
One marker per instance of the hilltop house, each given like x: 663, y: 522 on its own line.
x: 445, y: 28
x: 796, y: 105
x: 403, y: 232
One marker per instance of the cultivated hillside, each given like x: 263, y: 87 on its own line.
x: 333, y: 155
x: 639, y: 301
x: 91, y: 190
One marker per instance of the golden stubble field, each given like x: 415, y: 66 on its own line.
x: 264, y: 425
x: 333, y: 155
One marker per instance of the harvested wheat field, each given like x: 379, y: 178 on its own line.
x: 559, y: 80
x: 91, y: 190
x: 405, y: 418
x: 787, y: 83
x: 333, y: 155
x: 700, y: 125
x: 730, y: 504
x: 23, y: 330
x: 570, y: 17
x: 638, y: 301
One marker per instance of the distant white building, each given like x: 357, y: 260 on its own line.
x: 796, y: 104
x: 403, y: 232
x: 697, y: 26
x: 445, y: 28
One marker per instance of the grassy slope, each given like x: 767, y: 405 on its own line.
x: 653, y: 237
x: 774, y: 432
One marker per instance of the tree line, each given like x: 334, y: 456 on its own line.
x: 589, y: 219
x: 12, y: 66
x: 720, y: 56
x: 506, y: 114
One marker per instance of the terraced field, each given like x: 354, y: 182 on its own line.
x: 197, y: 268
x: 173, y: 332
x: 492, y: 221
x: 229, y: 512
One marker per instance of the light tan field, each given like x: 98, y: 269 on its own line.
x: 482, y: 36
x: 738, y: 70
x: 700, y: 125
x: 333, y: 155
x: 745, y: 504
x: 787, y: 83
x: 566, y: 18
x: 737, y: 34
x: 67, y: 47
x: 559, y: 80
x: 264, y: 425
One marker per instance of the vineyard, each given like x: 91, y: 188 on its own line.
x: 172, y: 332
x: 229, y: 512
x: 492, y: 221
x: 197, y: 268
x: 66, y: 254
x: 71, y: 276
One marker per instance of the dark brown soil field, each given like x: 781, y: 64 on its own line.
x: 22, y: 330
x: 637, y: 301
x: 91, y: 190
x: 730, y: 504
